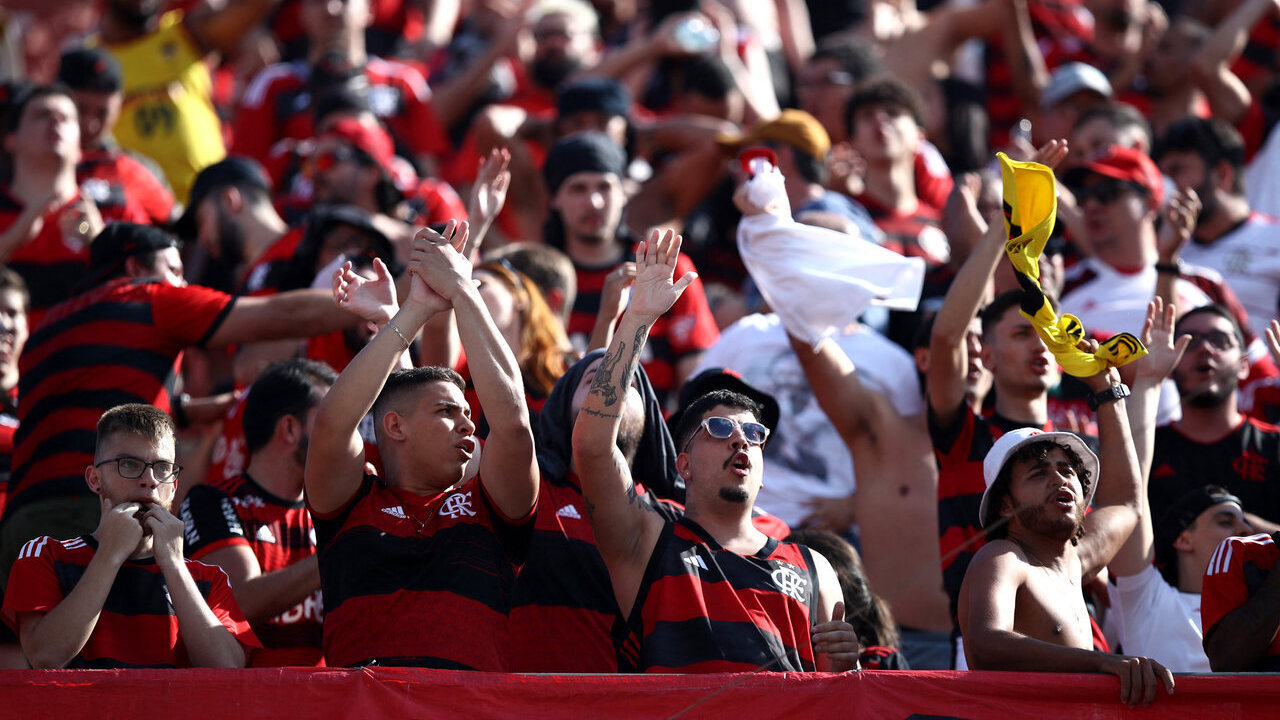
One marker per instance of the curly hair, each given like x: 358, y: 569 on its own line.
x: 1002, y: 487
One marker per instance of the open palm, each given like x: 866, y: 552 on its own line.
x: 654, y: 291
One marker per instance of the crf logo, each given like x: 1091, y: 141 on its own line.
x: 1251, y: 466
x: 790, y: 582
x: 457, y: 504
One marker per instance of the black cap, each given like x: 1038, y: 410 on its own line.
x: 594, y: 94
x: 583, y: 152
x: 90, y: 69
x: 1178, y: 517
x: 719, y: 378
x: 233, y: 170
x: 120, y: 241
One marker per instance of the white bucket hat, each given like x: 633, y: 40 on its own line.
x: 1010, y: 442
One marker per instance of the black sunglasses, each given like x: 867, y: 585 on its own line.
x: 721, y: 428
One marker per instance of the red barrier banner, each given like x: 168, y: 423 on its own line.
x: 273, y: 694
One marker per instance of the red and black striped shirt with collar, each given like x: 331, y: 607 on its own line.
x: 138, y: 626
x: 704, y: 609
x: 422, y: 581
x: 120, y: 342
x: 279, y: 532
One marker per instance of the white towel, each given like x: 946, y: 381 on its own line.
x: 817, y: 280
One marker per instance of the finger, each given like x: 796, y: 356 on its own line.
x: 1125, y: 681
x: 1166, y: 677
x: 837, y: 613
x: 685, y: 282
x: 1148, y: 683
x: 676, y: 242
x: 1180, y: 347
x: 1135, y: 682
x: 641, y: 251
x: 463, y: 232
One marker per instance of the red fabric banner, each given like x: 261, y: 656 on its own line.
x: 271, y: 694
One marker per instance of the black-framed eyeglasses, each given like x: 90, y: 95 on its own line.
x: 721, y: 428
x: 1106, y: 191
x: 1216, y: 339
x: 131, y: 468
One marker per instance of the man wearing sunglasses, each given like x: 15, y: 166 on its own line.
x: 123, y: 595
x: 707, y: 592
x: 1214, y: 442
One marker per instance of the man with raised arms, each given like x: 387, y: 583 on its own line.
x: 704, y: 591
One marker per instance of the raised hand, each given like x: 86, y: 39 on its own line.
x: 489, y: 193
x: 1163, y: 351
x: 654, y: 292
x: 373, y: 299
x: 1051, y: 154
x: 1179, y: 217
x: 438, y: 267
x: 613, y: 298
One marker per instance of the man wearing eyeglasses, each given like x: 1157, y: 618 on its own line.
x: 1214, y: 442
x: 707, y: 592
x: 123, y: 595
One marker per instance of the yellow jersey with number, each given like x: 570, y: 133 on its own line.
x: 168, y: 112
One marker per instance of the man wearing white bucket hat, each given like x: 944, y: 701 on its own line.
x: 1021, y: 606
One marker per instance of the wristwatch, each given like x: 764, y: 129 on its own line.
x: 1115, y: 392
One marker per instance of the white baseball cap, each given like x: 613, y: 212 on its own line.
x: 1010, y: 442
x: 1071, y: 78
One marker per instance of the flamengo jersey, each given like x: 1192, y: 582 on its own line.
x: 1248, y: 258
x: 123, y: 188
x: 1246, y: 462
x: 960, y: 451
x: 687, y: 328
x: 116, y: 343
x: 279, y: 532
x: 1237, y: 569
x: 421, y: 581
x: 563, y: 610
x: 703, y: 609
x: 137, y: 627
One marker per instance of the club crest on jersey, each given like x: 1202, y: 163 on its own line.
x: 791, y: 582
x: 456, y: 505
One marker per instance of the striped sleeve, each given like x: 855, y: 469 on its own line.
x: 1225, y: 587
x: 33, y: 582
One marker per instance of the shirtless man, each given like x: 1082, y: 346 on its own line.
x: 1021, y: 606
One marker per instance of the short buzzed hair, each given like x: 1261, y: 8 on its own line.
x: 145, y: 421
x: 402, y: 381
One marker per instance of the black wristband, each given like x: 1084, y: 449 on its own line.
x: 179, y: 411
x: 1172, y: 268
x: 1115, y: 392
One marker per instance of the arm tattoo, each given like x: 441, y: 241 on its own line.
x: 602, y: 384
x: 597, y: 413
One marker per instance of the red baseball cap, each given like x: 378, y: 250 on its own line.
x: 369, y: 139
x: 1131, y: 165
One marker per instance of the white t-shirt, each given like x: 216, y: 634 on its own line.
x: 1158, y: 621
x: 1248, y: 258
x: 805, y: 457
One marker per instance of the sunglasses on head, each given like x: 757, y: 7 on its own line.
x: 721, y: 428
x: 1216, y: 339
x: 1106, y: 191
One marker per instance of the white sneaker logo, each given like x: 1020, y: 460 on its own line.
x: 569, y: 511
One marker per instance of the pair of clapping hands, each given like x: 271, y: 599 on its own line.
x: 438, y: 271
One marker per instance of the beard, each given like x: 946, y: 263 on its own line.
x: 734, y: 494
x: 1215, y: 391
x: 230, y: 240
x: 1061, y: 528
x: 550, y: 72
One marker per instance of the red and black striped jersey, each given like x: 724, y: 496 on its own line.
x: 116, y: 343
x: 137, y: 626
x: 1246, y: 461
x: 123, y: 187
x: 960, y: 450
x: 279, y: 533
x: 563, y: 610
x: 688, y: 327
x: 421, y: 581
x: 1236, y: 571
x: 703, y: 609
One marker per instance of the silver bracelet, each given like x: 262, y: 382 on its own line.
x: 396, y: 330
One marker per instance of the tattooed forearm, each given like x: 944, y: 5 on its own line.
x: 632, y: 496
x: 597, y: 413
x: 603, y: 384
